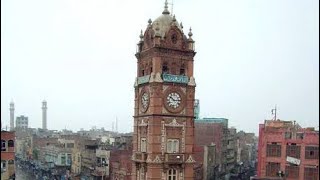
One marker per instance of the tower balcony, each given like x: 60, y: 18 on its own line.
x: 174, y: 158
x: 140, y: 157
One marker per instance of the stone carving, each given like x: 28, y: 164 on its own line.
x: 157, y: 159
x: 143, y: 123
x: 136, y: 82
x: 152, y: 77
x: 149, y: 159
x: 192, y: 81
x: 174, y: 123
x: 190, y: 160
x: 158, y: 78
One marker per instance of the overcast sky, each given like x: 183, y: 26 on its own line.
x: 78, y: 55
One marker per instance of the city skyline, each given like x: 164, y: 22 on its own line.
x: 79, y: 57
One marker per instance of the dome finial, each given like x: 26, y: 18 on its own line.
x: 166, y: 11
x: 190, y: 33
x: 141, y: 36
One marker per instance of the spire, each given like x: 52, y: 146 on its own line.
x: 166, y: 11
x: 141, y: 36
x: 190, y: 33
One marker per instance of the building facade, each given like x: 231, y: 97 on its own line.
x: 22, y: 122
x: 287, y: 150
x: 7, y: 155
x: 163, y: 138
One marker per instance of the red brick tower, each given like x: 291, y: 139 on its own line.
x: 163, y: 137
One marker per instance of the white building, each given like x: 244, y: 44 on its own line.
x: 22, y: 122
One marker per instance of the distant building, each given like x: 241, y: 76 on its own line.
x: 22, y: 122
x: 287, y: 150
x: 215, y: 131
x: 7, y: 155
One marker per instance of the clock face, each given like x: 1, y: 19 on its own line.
x: 145, y: 100
x: 173, y: 100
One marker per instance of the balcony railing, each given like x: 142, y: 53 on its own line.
x: 174, y: 158
x: 175, y: 78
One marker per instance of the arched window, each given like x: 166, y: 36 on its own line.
x: 172, y: 174
x: 183, y: 70
x: 11, y: 161
x: 3, y: 145
x: 10, y: 143
x: 165, y: 68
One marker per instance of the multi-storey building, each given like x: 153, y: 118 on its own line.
x: 22, y: 122
x: 231, y: 149
x: 163, y: 138
x: 246, y: 149
x: 287, y: 150
x: 7, y: 155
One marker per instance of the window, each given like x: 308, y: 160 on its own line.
x: 287, y: 135
x: 63, y: 159
x: 173, y: 146
x: 182, y: 71
x: 272, y: 169
x: 311, y: 173
x: 300, y: 135
x: 172, y: 174
x: 3, y: 145
x: 312, y: 152
x: 10, y: 143
x: 70, y: 145
x: 273, y: 150
x: 3, y: 165
x: 142, y: 72
x: 143, y: 145
x: 165, y: 69
x: 292, y: 171
x: 11, y: 161
x: 293, y: 151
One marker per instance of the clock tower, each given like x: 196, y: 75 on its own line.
x: 163, y: 138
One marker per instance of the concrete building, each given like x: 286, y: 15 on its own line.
x: 11, y: 116
x: 287, y: 150
x: 44, y: 115
x: 231, y: 149
x: 247, y: 149
x: 7, y: 155
x: 214, y: 131
x: 22, y: 122
x: 163, y: 138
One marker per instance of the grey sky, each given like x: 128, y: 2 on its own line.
x: 79, y: 56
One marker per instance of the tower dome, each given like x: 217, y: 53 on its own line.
x: 163, y: 23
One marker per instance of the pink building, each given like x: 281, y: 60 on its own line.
x: 287, y: 150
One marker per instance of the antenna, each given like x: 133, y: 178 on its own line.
x: 275, y: 112
x: 171, y: 7
x: 116, y: 124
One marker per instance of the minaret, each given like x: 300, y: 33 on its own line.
x: 11, y: 116
x: 44, y: 114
